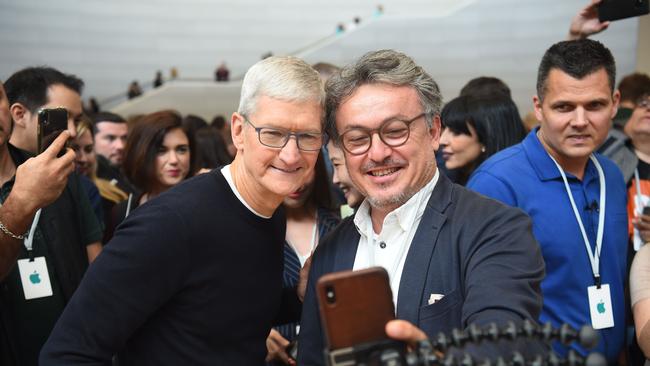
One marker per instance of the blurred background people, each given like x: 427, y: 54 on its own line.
x: 93, y: 106
x: 486, y: 86
x: 84, y: 162
x: 211, y: 149
x: 474, y: 129
x: 134, y: 90
x: 158, y: 81
x: 222, y: 73
x: 86, y: 165
x: 110, y: 131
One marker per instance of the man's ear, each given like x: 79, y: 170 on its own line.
x: 436, y: 128
x: 537, y: 105
x: 237, y: 130
x: 616, y: 100
x: 20, y: 114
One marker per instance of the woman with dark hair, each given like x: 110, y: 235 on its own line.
x: 159, y: 154
x: 474, y: 129
x: 310, y: 215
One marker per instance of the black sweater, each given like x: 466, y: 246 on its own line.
x: 192, y: 277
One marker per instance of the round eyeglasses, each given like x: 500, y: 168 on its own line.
x: 394, y: 133
x: 278, y: 138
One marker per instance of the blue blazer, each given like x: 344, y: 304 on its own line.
x: 480, y: 254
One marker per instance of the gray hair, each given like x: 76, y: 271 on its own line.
x: 285, y: 78
x: 381, y: 67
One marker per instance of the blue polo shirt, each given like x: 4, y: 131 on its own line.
x: 524, y: 176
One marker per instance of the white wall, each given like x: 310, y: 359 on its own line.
x: 502, y: 38
x: 110, y: 43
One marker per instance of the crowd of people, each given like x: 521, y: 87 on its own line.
x: 165, y: 239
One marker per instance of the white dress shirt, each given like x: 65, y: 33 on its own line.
x: 388, y: 248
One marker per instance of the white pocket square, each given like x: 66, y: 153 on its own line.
x: 434, y: 298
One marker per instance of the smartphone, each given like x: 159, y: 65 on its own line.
x: 355, y: 306
x: 51, y: 122
x: 646, y: 210
x: 621, y: 9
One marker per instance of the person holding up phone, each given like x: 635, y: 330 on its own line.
x: 49, y: 232
x: 444, y: 247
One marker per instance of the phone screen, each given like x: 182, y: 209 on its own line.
x: 51, y: 122
x: 621, y: 9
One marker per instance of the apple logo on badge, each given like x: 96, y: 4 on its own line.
x: 35, y: 278
x: 600, y: 307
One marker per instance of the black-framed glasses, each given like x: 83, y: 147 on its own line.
x: 394, y: 133
x: 278, y: 138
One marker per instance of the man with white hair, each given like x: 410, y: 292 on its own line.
x: 195, y: 276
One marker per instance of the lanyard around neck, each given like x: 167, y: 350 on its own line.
x: 639, y: 196
x: 593, y: 259
x: 29, y: 239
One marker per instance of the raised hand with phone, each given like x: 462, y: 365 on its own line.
x: 39, y: 181
x: 45, y: 210
x: 598, y: 15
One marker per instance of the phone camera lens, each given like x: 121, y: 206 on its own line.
x: 330, y: 295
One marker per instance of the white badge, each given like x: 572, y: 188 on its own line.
x: 600, y: 307
x: 35, y: 278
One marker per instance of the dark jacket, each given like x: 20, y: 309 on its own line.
x: 480, y: 254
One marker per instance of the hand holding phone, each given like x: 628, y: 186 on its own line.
x: 586, y: 23
x: 41, y: 179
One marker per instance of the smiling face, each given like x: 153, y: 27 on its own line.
x: 274, y: 173
x: 575, y: 116
x: 459, y: 150
x: 389, y: 176
x: 341, y: 178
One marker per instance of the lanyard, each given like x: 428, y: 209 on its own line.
x: 639, y: 196
x: 594, y: 259
x: 29, y: 240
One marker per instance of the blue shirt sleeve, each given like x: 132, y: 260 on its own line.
x: 489, y: 185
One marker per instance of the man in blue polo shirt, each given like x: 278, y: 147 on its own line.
x: 576, y: 199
